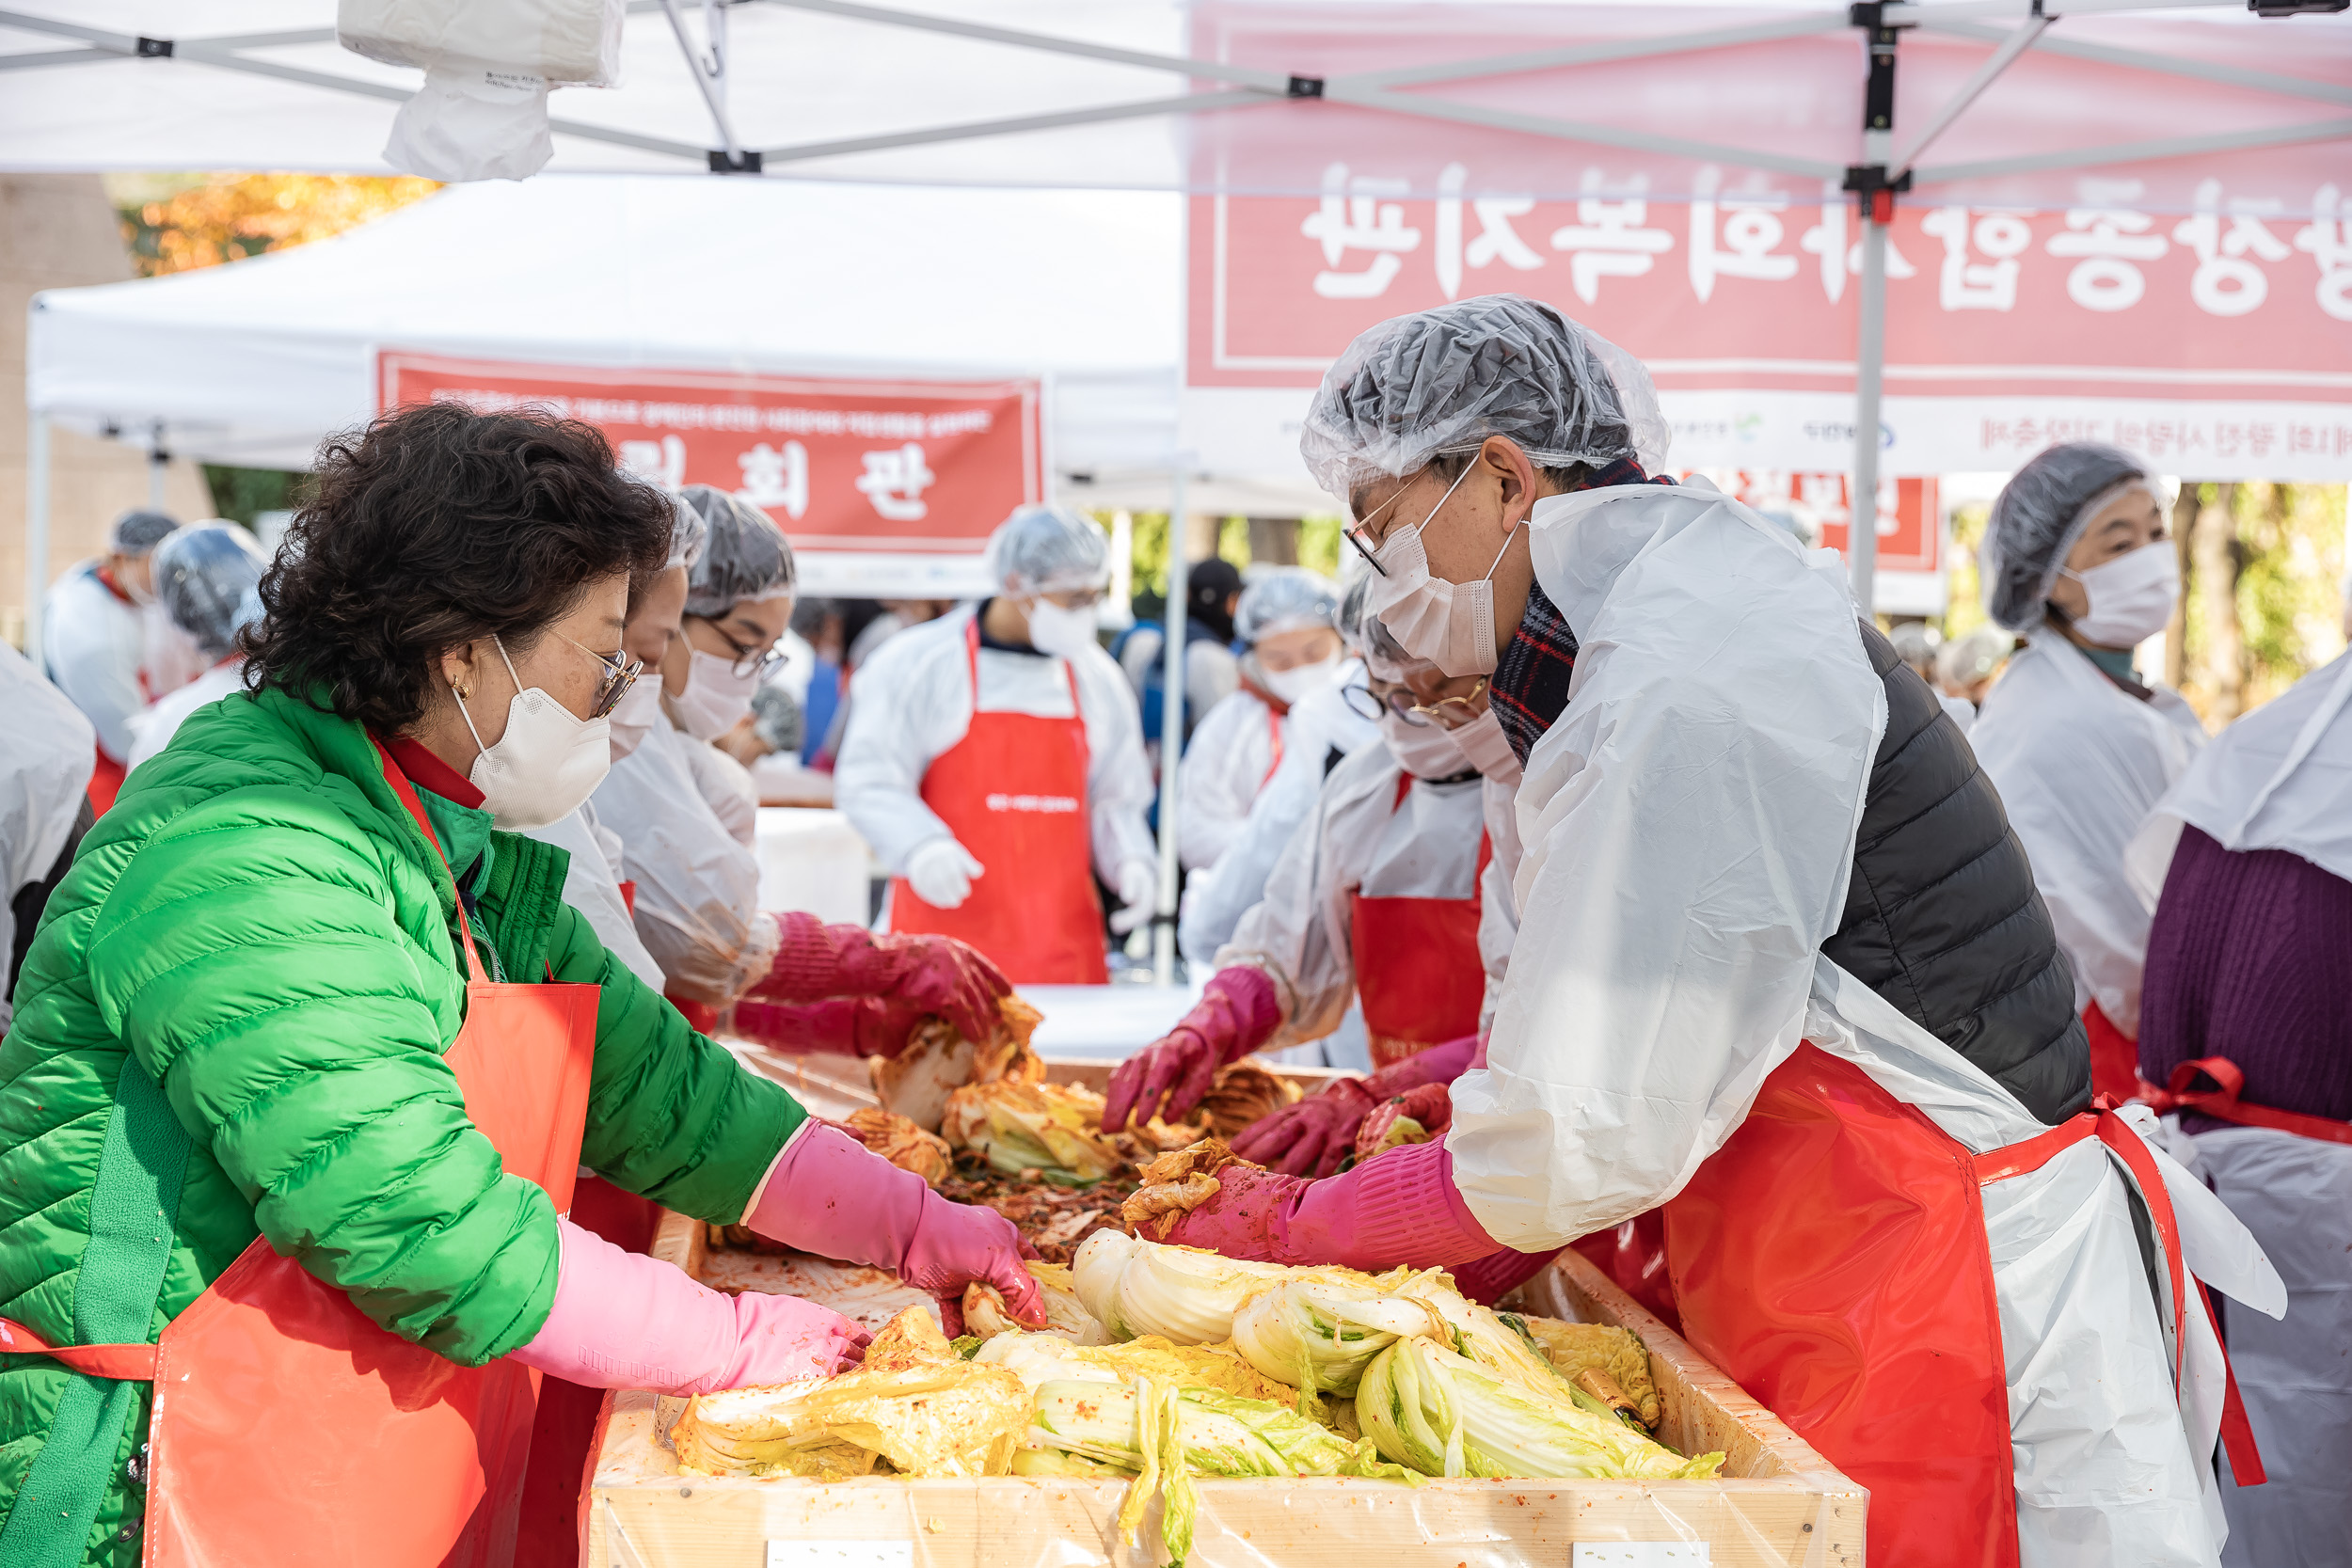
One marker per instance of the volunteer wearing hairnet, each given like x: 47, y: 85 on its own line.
x: 1386, y: 895
x: 1965, y: 667
x: 207, y: 579
x: 687, y: 819
x: 96, y: 624
x: 1287, y: 626
x: 2245, y: 1030
x: 2076, y: 558
x: 1780, y: 964
x: 45, y: 750
x: 995, y: 763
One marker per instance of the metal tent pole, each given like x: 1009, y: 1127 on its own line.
x: 1171, y: 729
x: 36, y: 532
x: 1862, y: 527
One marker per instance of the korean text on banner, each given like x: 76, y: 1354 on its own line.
x: 845, y: 466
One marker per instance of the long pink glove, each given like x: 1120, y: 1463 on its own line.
x: 843, y: 1025
x: 622, y: 1321
x: 1238, y: 1010
x: 1312, y: 1136
x: 1399, y: 1209
x: 927, y: 975
x: 829, y: 1194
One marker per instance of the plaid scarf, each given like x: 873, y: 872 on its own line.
x: 1530, y: 686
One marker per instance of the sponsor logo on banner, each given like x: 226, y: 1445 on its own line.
x: 843, y: 466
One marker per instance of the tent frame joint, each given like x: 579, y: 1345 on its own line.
x: 1874, y: 191
x: 1304, y: 86
x: 154, y: 49
x: 743, y: 161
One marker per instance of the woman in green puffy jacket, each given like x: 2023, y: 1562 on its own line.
x: 254, y: 967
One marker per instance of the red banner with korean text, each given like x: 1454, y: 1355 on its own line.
x: 2197, y: 310
x: 886, y: 487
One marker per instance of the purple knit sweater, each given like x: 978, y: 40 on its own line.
x: 2250, y: 957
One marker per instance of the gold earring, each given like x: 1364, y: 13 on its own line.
x: 464, y: 692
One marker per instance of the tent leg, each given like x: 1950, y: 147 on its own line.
x: 1171, y: 730
x: 1862, y: 532
x: 36, y: 532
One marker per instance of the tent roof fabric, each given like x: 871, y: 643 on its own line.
x: 252, y: 363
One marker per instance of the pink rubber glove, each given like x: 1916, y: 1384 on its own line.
x: 1431, y: 1105
x: 1400, y: 1209
x: 1488, y: 1279
x: 1238, y: 1010
x: 1312, y: 1136
x: 843, y: 1025
x: 929, y: 974
x: 829, y: 1194
x: 622, y: 1321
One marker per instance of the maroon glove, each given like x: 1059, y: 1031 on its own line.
x: 1429, y: 1105
x: 1236, y: 1012
x: 1400, y: 1209
x: 931, y: 975
x: 1312, y: 1136
x: 844, y: 1025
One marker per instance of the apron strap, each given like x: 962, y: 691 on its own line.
x: 407, y: 793
x: 2222, y: 1102
x: 135, y: 1204
x: 2237, y: 1433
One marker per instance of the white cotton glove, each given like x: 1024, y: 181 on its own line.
x: 1138, y: 895
x: 941, y: 872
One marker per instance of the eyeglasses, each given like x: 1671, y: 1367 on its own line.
x: 620, y: 674
x: 1452, y: 712
x: 748, y: 660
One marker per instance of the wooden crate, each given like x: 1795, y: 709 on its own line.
x: 1782, y: 1503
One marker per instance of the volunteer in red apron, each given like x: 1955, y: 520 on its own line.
x: 1780, y: 969
x: 2246, y: 1032
x: 994, y: 762
x: 339, y: 1050
x: 94, y: 631
x: 1287, y: 624
x: 2077, y: 557
x: 1388, y: 896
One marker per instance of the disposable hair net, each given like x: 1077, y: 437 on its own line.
x: 138, y: 531
x: 208, y: 578
x: 2038, y: 516
x: 1383, y: 655
x: 776, y: 718
x: 1285, y: 598
x: 1915, y: 644
x: 1421, y: 387
x: 688, y: 535
x: 1048, y: 549
x: 744, y: 555
x: 1966, y: 660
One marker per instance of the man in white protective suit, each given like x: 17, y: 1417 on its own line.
x: 207, y: 580
x: 1780, y: 969
x: 1287, y: 623
x: 2076, y: 558
x: 994, y: 762
x: 101, y: 632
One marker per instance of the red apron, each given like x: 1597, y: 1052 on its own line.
x: 1419, y: 976
x: 387, y: 1454
x: 1831, y: 1259
x: 1014, y: 791
x: 2114, y: 1056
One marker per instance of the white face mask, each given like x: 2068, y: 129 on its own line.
x: 1289, y: 684
x: 716, y: 698
x: 1450, y: 623
x: 1425, y: 751
x: 2131, y: 596
x: 635, y: 715
x: 1063, y: 633
x: 1488, y: 749
x: 548, y: 762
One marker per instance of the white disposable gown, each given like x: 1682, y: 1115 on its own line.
x: 2079, y: 764
x: 95, y: 645
x: 152, y: 727
x: 697, y: 881
x: 913, y: 701
x: 592, y: 885
x: 1360, y: 836
x: 1232, y: 756
x: 1688, y: 824
x: 1215, y: 899
x: 45, y: 761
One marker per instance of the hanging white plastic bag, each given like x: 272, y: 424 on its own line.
x: 482, y: 111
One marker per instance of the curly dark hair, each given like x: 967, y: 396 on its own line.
x: 431, y: 527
